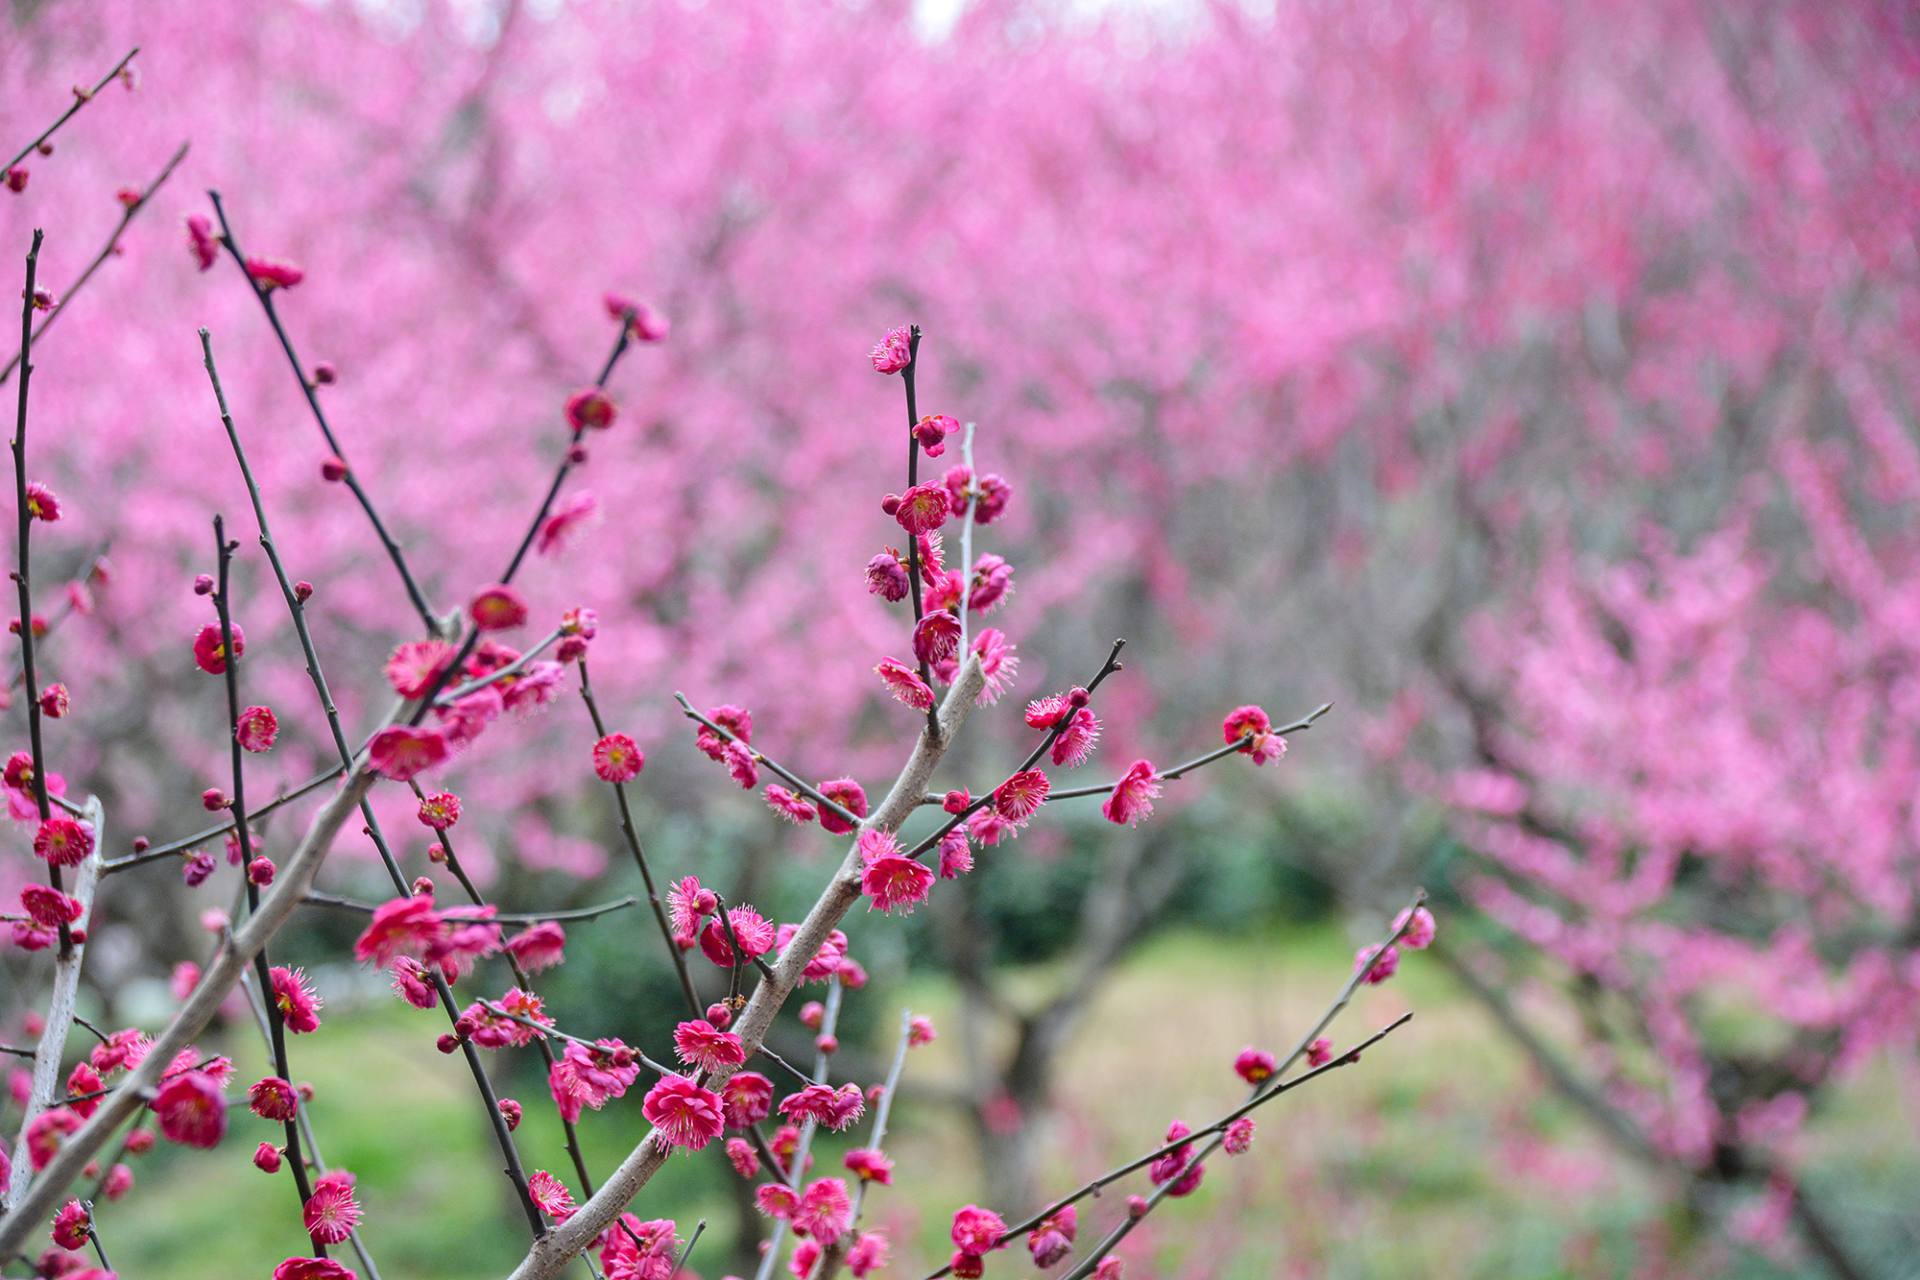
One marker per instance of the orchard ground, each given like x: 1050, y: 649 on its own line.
x: 1439, y: 1155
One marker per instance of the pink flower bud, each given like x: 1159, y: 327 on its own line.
x: 54, y: 702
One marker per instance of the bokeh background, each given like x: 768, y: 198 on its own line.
x: 1535, y: 382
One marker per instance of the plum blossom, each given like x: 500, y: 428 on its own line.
x: 1133, y: 795
x: 402, y: 752
x: 894, y: 350
x: 331, y: 1212
x: 616, y: 758
x: 683, y: 1113
x: 904, y: 684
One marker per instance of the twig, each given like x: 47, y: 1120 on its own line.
x: 1188, y: 766
x: 549, y: 1029
x: 774, y: 766
x: 788, y: 1067
x: 126, y: 1141
x: 21, y: 577
x: 699, y: 1229
x: 726, y: 923
x: 94, y: 563
x: 93, y: 1236
x: 276, y: 1022
x: 175, y: 847
x: 568, y: 915
x: 631, y: 834
x: 352, y: 477
x: 966, y: 532
x: 525, y: 984
x: 79, y: 100
x: 561, y: 471
x: 513, y: 668
x: 1269, y: 1089
x: 1107, y: 668
x: 913, y: 478
x: 108, y: 250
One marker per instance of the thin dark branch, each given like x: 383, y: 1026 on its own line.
x: 276, y: 1021
x: 307, y: 388
x: 631, y: 834
x: 913, y: 540
x: 21, y: 576
x: 679, y: 1264
x: 498, y: 674
x: 79, y: 101
x: 774, y: 766
x: 562, y: 915
x: 1107, y: 668
x: 1200, y: 761
x: 521, y: 979
x: 726, y: 922
x: 561, y: 471
x: 107, y: 251
x: 175, y: 847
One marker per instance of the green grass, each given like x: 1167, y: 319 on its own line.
x: 1424, y: 1159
